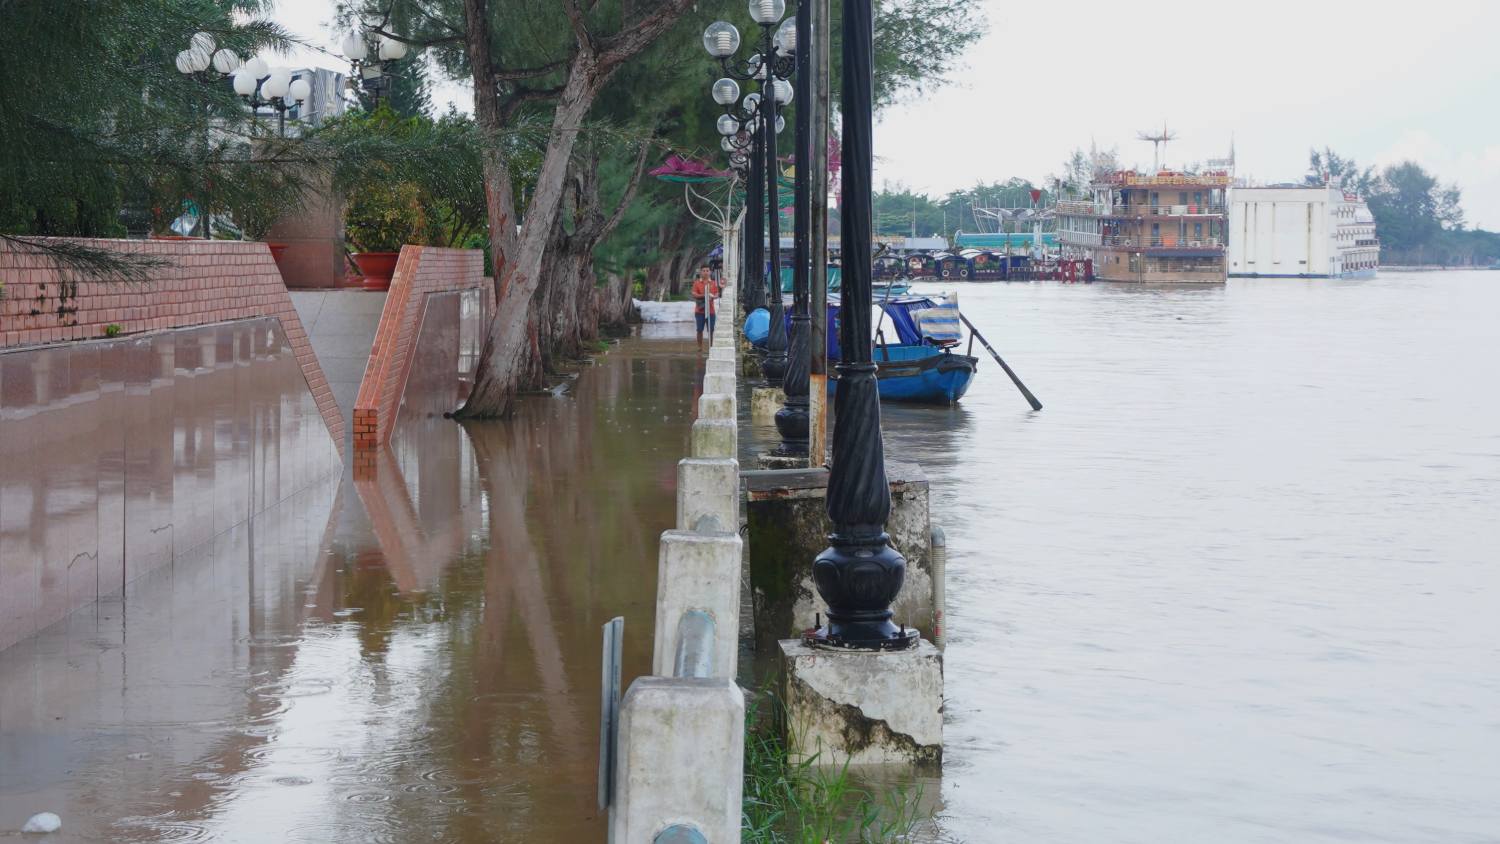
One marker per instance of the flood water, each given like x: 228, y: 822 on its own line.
x: 410, y: 655
x: 1236, y: 583
x: 1239, y: 581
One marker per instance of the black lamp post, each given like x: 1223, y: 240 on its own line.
x: 792, y: 418
x: 769, y: 64
x: 861, y: 574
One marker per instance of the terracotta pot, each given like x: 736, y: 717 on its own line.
x: 277, y: 250
x: 377, y: 268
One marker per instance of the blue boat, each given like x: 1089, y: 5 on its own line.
x: 918, y: 367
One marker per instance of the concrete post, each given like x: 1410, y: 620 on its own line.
x: 698, y: 571
x: 681, y: 760
x: 718, y: 382
x: 863, y: 707
x: 716, y: 406
x: 708, y: 486
x: 715, y: 438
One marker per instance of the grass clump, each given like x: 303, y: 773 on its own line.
x: 798, y: 802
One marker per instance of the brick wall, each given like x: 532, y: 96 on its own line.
x: 204, y: 282
x: 421, y: 270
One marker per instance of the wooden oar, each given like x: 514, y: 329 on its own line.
x: 1035, y: 405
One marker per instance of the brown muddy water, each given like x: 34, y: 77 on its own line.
x: 1239, y: 580
x: 409, y: 655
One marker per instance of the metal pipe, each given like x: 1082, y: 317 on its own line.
x: 939, y: 584
x: 819, y: 45
x: 695, y: 645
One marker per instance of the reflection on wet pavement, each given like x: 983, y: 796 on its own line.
x: 411, y: 655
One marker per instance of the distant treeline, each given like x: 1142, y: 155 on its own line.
x: 1418, y: 220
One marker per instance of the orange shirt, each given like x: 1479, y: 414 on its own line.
x: 713, y: 293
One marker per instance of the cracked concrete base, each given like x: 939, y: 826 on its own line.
x: 863, y: 707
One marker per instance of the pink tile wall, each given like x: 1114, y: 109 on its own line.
x: 201, y: 282
x: 420, y: 272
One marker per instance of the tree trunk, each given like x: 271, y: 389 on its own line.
x: 511, y: 353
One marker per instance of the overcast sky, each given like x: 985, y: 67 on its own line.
x: 1376, y: 81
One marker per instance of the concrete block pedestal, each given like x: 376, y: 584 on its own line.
x: 863, y: 707
x: 764, y: 402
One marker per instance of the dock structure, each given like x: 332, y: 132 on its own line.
x: 1162, y: 227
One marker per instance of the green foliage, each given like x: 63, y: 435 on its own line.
x: 382, y: 216
x: 896, y: 207
x: 112, y: 330
x: 1418, y: 219
x: 788, y: 802
x: 406, y: 177
x: 95, y: 110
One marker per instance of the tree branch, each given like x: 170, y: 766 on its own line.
x: 502, y: 75
x: 580, y: 27
x: 620, y: 47
x: 629, y: 195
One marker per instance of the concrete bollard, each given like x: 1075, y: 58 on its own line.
x: 720, y: 367
x: 715, y: 438
x: 698, y: 571
x: 719, y: 382
x: 681, y: 760
x: 716, y: 406
x: 708, y: 486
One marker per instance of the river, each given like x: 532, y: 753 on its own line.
x: 411, y: 655
x: 1238, y: 580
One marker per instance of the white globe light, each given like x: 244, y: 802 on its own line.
x: 226, y: 61
x: 752, y: 102
x: 354, y: 47
x: 185, y: 62
x: 726, y: 145
x: 756, y: 66
x: 783, y: 91
x: 199, y: 59
x: 203, y: 42
x: 244, y: 82
x: 391, y: 49
x: 780, y: 123
x: 721, y: 39
x: 786, y: 36
x: 299, y: 90
x: 278, y: 84
x: 257, y: 67
x: 767, y: 11
x: 728, y: 125
x: 726, y: 91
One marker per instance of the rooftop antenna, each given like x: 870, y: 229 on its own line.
x: 1158, y: 140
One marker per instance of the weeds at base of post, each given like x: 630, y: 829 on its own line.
x: 790, y: 802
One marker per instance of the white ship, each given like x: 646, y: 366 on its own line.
x: 1297, y: 231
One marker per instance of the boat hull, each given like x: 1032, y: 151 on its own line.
x: 921, y: 375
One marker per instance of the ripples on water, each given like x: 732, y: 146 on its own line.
x: 413, y: 656
x: 1237, y: 581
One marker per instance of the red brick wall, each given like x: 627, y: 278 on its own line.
x: 204, y: 282
x: 420, y: 270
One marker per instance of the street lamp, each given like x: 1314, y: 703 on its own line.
x: 860, y: 574
x: 767, y: 64
x: 275, y: 88
x: 196, y: 62
x: 375, y: 74
x: 792, y: 420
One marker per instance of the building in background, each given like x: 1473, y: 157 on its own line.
x: 1166, y: 227
x: 1297, y: 231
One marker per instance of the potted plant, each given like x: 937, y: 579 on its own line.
x: 380, y: 218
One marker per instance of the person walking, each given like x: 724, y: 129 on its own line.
x: 706, y: 292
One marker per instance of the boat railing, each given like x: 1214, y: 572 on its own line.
x: 1166, y: 241
x: 1190, y: 209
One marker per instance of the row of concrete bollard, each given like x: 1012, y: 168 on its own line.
x: 678, y: 757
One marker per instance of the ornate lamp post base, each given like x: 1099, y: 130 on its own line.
x: 859, y: 579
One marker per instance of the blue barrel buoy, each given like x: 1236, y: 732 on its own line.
x: 757, y: 326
